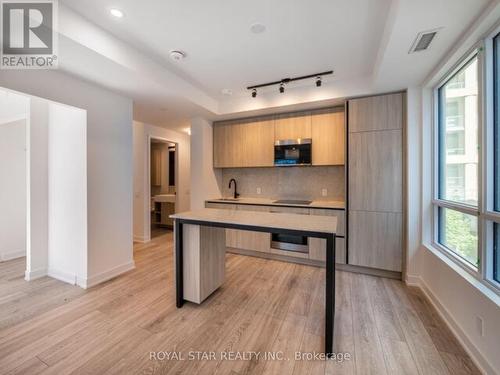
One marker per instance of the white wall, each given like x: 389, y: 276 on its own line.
x: 38, y: 189
x: 458, y: 296
x: 109, y: 165
x: 67, y: 180
x: 12, y: 189
x: 205, y: 180
x: 413, y: 174
x: 142, y: 134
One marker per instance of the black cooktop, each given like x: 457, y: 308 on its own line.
x: 292, y: 201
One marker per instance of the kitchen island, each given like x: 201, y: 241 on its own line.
x: 200, y: 250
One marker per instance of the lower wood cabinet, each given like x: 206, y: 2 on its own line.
x: 261, y: 242
x: 317, y: 250
x: 247, y: 240
x: 376, y: 240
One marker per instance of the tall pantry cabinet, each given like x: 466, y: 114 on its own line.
x: 375, y: 181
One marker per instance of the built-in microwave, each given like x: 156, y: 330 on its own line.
x: 292, y: 152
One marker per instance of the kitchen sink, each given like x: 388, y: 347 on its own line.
x: 229, y: 199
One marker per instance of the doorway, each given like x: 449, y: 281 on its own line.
x: 162, y: 185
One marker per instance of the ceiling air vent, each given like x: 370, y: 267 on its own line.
x: 423, y: 40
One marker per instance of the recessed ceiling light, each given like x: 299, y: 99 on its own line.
x: 227, y: 92
x: 116, y: 13
x: 257, y: 28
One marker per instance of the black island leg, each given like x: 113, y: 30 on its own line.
x: 179, y: 268
x: 330, y: 294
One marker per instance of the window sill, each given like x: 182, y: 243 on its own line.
x: 484, y: 287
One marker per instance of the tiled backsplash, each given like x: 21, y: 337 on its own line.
x: 287, y: 182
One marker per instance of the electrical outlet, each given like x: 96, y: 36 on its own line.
x: 259, y: 190
x: 324, y: 192
x: 480, y: 326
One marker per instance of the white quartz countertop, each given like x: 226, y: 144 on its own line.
x: 338, y: 205
x: 309, y: 223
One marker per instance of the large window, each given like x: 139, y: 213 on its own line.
x: 467, y: 164
x: 458, y: 184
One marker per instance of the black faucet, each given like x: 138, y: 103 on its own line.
x: 236, y: 195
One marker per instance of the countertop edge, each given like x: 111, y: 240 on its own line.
x: 316, y: 206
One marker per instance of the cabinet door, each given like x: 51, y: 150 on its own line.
x: 248, y: 240
x: 292, y: 126
x: 257, y: 143
x: 328, y: 137
x: 224, y: 145
x: 244, y: 144
x: 317, y: 250
x: 317, y: 246
x: 375, y: 240
x: 383, y: 112
x: 376, y: 171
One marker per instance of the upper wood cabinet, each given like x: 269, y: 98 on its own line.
x: 244, y: 144
x: 328, y: 137
x: 250, y: 142
x: 383, y: 112
x: 292, y: 126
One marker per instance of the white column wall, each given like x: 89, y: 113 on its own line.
x: 205, y: 180
x: 67, y: 214
x: 13, y: 189
x: 38, y: 190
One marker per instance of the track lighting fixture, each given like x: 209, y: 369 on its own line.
x: 283, y: 81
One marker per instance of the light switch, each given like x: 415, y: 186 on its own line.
x: 324, y: 192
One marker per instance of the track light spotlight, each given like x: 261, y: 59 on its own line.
x: 254, y: 93
x: 318, y: 81
x: 282, y: 88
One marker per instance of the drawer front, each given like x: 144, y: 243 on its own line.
x: 290, y: 210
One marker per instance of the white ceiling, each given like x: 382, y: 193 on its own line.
x: 365, y: 42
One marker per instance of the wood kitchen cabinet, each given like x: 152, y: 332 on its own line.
x: 247, y: 240
x: 245, y: 143
x: 292, y: 126
x: 317, y: 246
x: 328, y: 137
x: 250, y: 142
x: 375, y: 181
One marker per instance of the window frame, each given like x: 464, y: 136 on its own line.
x: 484, y: 212
x: 438, y: 202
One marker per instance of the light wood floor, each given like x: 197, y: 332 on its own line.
x: 48, y: 327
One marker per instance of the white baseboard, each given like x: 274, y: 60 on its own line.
x: 104, y: 276
x: 413, y: 280
x: 12, y: 255
x: 457, y: 331
x: 35, y: 274
x: 141, y: 239
x: 62, y: 276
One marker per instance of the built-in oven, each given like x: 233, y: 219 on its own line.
x: 292, y: 152
x: 288, y: 242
